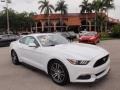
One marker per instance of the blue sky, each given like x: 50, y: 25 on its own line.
x: 32, y: 5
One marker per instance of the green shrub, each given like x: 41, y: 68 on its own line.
x: 115, y: 31
x: 105, y: 36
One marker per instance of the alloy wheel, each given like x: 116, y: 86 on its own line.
x: 57, y: 72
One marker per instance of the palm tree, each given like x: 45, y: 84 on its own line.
x: 101, y: 6
x: 96, y: 8
x: 46, y: 8
x: 62, y: 7
x: 86, y: 7
x: 108, y: 4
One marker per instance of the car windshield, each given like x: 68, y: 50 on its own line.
x: 52, y: 40
x: 89, y: 34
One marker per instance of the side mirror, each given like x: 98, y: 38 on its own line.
x: 32, y: 45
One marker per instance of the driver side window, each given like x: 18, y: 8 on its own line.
x: 28, y: 40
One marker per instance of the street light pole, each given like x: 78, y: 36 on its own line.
x: 8, y: 24
x: 7, y: 12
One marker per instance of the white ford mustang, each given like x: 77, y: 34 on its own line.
x: 63, y: 61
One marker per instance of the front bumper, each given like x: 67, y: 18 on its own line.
x: 87, y: 41
x: 88, y: 70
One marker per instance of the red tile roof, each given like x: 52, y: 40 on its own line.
x: 72, y: 18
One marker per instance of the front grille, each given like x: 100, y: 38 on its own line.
x: 101, y: 61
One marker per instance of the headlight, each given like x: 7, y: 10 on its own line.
x: 92, y: 38
x: 78, y: 62
x: 80, y: 38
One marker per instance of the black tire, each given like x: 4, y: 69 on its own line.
x: 94, y: 43
x: 98, y: 41
x: 58, y: 72
x: 14, y: 57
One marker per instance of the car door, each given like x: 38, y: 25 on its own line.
x: 31, y: 55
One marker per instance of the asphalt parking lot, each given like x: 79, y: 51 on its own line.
x: 26, y: 78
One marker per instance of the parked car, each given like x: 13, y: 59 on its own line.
x: 72, y: 35
x: 5, y: 40
x: 82, y: 33
x: 24, y: 34
x: 65, y: 34
x: 90, y: 37
x: 1, y: 36
x: 63, y: 61
x: 68, y: 35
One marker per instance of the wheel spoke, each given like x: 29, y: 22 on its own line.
x: 53, y: 69
x: 62, y: 74
x: 54, y: 75
x: 59, y: 78
x: 14, y: 56
x: 57, y: 66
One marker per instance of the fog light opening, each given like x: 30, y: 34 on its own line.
x: 84, y: 77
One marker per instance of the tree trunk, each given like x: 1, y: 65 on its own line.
x: 101, y: 27
x: 48, y: 23
x: 61, y: 23
x: 106, y: 27
x: 95, y: 21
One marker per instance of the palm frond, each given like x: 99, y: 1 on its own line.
x: 45, y: 6
x: 52, y: 7
x: 61, y: 6
x: 41, y: 2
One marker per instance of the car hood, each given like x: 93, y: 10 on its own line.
x: 87, y: 37
x: 77, y: 51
